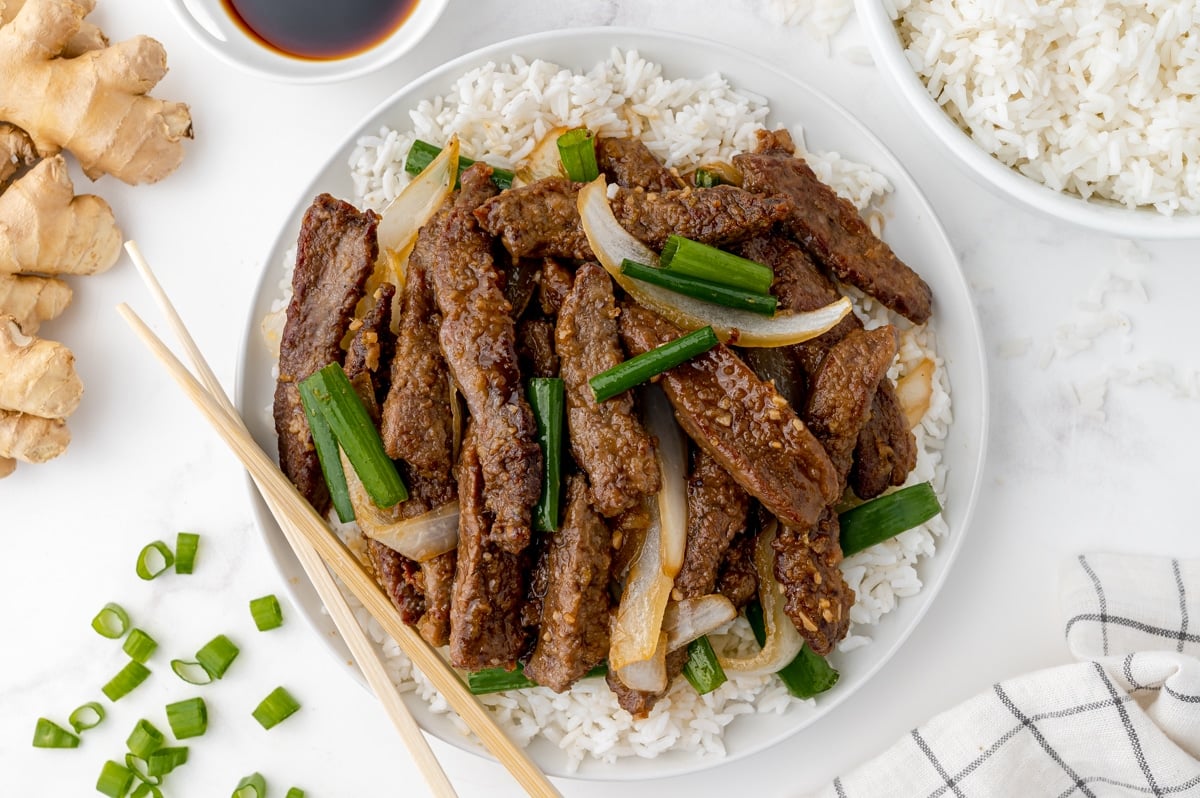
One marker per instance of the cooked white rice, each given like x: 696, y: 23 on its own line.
x: 500, y: 111
x: 1093, y: 97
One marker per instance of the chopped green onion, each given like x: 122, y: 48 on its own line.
x: 129, y: 677
x: 188, y: 718
x: 702, y: 668
x: 111, y: 622
x: 191, y: 672
x: 275, y: 708
x: 546, y: 399
x: 141, y: 769
x: 144, y: 740
x: 253, y: 786
x: 888, y: 516
x: 684, y: 256
x: 48, y: 734
x: 164, y: 760
x: 356, y: 434
x: 266, y: 612
x: 495, y: 680
x: 86, y: 717
x: 146, y: 790
x: 577, y: 151
x: 703, y: 178
x: 139, y: 645
x: 294, y: 792
x: 805, y: 676
x: 115, y: 780
x: 186, y: 544
x: 705, y: 291
x: 216, y: 655
x: 154, y: 559
x: 637, y: 370
x: 327, y: 454
x: 423, y: 153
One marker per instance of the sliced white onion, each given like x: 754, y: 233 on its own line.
x: 419, y: 538
x: 543, y: 161
x: 638, y: 621
x: 915, y: 392
x: 671, y: 453
x: 693, y: 618
x: 783, y: 642
x: 418, y: 201
x: 272, y: 330
x: 650, y: 674
x: 612, y: 243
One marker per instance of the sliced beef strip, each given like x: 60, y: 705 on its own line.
x: 486, y: 629
x: 816, y: 597
x: 437, y: 576
x: 370, y: 351
x: 400, y: 578
x: 478, y: 339
x: 886, y: 450
x: 716, y: 513
x: 742, y: 422
x: 417, y: 421
x: 335, y: 254
x: 737, y: 580
x: 555, y: 285
x: 832, y: 229
x: 542, y: 219
x: 630, y: 164
x: 843, y: 389
x: 535, y: 348
x: 607, y: 439
x: 573, y: 633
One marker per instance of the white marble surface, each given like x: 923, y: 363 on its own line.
x: 1060, y: 478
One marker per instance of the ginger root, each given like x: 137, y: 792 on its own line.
x: 94, y: 104
x: 30, y: 299
x: 31, y: 439
x: 39, y: 375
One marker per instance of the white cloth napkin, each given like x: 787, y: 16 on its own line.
x: 1123, y: 721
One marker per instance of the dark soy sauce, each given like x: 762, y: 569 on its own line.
x: 319, y: 30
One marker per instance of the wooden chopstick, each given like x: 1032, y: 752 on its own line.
x: 362, y: 649
x: 304, y: 528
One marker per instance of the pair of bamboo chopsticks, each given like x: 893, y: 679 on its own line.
x: 316, y: 547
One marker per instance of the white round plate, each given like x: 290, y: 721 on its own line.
x: 911, y: 229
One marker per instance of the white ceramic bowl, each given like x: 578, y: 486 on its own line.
x: 211, y: 24
x: 1101, y: 215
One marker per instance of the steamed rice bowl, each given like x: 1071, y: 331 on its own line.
x: 500, y: 112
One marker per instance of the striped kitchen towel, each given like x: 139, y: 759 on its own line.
x: 1123, y: 721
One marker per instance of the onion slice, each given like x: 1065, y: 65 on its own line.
x: 542, y: 161
x: 693, y: 618
x: 915, y: 392
x: 638, y: 621
x: 672, y: 466
x: 419, y: 538
x: 649, y: 675
x: 418, y: 201
x: 612, y: 243
x: 783, y: 642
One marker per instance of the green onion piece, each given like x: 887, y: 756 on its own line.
x: 115, y: 780
x: 186, y: 544
x: 423, y: 153
x: 141, y: 769
x: 146, y: 790
x: 294, y: 792
x: 48, y: 734
x: 807, y: 675
x: 139, y: 645
x: 637, y: 370
x: 684, y: 256
x: 111, y: 622
x: 266, y: 612
x: 879, y: 519
x: 702, y: 668
x: 577, y: 151
x: 356, y: 434
x: 253, y: 786
x: 86, y: 717
x: 191, y: 672
x: 706, y: 179
x: 144, y: 740
x: 154, y: 559
x: 495, y: 680
x: 188, y: 718
x: 129, y: 677
x: 546, y: 399
x: 164, y: 760
x: 705, y: 291
x: 327, y: 454
x: 216, y: 655
x: 275, y: 708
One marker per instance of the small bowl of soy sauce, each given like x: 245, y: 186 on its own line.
x: 309, y: 41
